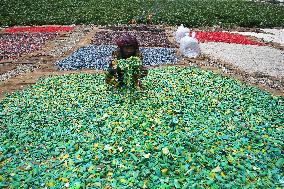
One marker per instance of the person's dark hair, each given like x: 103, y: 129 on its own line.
x: 127, y: 40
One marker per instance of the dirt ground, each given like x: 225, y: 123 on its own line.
x: 47, y: 68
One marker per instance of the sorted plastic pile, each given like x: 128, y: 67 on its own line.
x: 39, y: 29
x: 226, y: 37
x: 145, y: 38
x: 13, y: 45
x: 99, y: 56
x: 190, y: 128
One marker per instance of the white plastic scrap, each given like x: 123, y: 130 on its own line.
x: 189, y: 46
x: 180, y: 33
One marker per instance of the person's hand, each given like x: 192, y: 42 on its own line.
x: 113, y: 64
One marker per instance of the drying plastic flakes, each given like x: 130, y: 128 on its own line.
x: 225, y: 37
x: 158, y: 56
x: 188, y: 127
x: 93, y: 56
x: 13, y: 45
x: 99, y: 56
x: 268, y: 35
x: 251, y: 59
x: 39, y: 29
x: 145, y: 39
x: 21, y: 69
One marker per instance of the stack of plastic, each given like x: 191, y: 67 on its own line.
x: 181, y: 32
x: 189, y: 45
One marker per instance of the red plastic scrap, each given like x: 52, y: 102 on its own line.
x: 225, y: 37
x: 50, y: 29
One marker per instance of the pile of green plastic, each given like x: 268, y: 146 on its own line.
x: 131, y: 68
x: 188, y: 128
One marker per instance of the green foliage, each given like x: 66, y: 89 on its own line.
x: 131, y: 68
x: 226, y: 13
x: 190, y: 129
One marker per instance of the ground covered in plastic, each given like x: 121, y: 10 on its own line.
x: 31, y: 29
x: 153, y: 42
x: 225, y: 37
x: 187, y: 128
x: 14, y: 45
x: 99, y: 57
x: 145, y: 38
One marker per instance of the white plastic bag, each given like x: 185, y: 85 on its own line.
x: 189, y: 46
x: 180, y: 33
